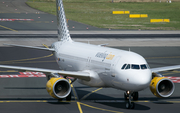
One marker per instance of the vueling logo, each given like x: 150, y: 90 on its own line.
x: 105, y: 56
x: 110, y: 56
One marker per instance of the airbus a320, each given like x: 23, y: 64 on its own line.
x: 98, y: 66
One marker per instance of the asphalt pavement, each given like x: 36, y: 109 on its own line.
x: 28, y: 94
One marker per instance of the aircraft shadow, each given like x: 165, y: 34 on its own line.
x: 121, y: 104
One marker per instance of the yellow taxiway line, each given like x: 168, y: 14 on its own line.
x: 8, y: 28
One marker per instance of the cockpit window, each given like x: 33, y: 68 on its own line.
x: 123, y: 66
x: 147, y: 66
x: 128, y: 66
x: 143, y: 66
x: 134, y: 66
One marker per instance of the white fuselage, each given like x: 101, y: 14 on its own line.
x: 104, y: 65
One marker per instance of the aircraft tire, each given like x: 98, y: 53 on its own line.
x: 130, y: 105
x: 125, y: 96
x: 135, y: 96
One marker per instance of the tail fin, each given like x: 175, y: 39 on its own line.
x: 63, y: 32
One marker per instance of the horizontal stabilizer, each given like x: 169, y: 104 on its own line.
x: 32, y: 47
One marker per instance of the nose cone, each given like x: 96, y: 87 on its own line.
x: 144, y: 78
x: 135, y: 76
x: 141, y: 79
x: 136, y: 80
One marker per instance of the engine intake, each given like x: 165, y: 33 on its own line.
x: 58, y: 88
x: 162, y: 87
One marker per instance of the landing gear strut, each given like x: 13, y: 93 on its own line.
x: 135, y: 95
x: 68, y: 98
x: 128, y: 95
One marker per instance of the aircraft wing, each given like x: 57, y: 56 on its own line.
x: 167, y: 68
x: 79, y: 75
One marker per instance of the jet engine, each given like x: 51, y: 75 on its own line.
x: 58, y: 88
x: 162, y: 87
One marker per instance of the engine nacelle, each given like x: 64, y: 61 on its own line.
x: 162, y: 87
x: 58, y: 88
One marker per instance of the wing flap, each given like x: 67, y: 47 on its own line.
x: 79, y: 75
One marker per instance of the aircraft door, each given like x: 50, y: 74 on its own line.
x: 113, y: 66
x: 88, y: 63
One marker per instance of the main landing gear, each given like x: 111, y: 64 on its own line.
x: 68, y: 98
x: 128, y: 96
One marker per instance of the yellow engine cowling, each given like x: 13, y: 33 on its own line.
x: 162, y: 87
x: 58, y: 88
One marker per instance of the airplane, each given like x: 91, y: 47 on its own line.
x: 98, y: 66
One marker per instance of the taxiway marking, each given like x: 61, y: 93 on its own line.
x: 7, y: 62
x: 24, y: 74
x: 45, y: 46
x: 8, y: 28
x: 20, y: 76
x: 172, y: 72
x: 97, y: 101
x: 79, y: 107
x: 30, y: 62
x: 9, y: 71
x: 20, y: 21
x: 90, y: 106
x: 85, y: 96
x: 24, y: 101
x: 4, y: 19
x: 100, y: 108
x: 74, y: 91
x: 76, y: 97
x: 174, y: 79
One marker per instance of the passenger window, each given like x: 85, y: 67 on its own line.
x: 143, y: 66
x: 133, y: 66
x: 128, y: 66
x: 123, y: 66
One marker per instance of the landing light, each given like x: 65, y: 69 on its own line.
x: 128, y: 92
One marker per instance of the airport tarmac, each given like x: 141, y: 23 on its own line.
x: 43, y: 26
x: 26, y: 18
x: 28, y: 94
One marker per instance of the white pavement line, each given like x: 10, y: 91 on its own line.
x: 94, y: 32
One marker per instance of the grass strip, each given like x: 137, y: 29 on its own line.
x: 98, y: 13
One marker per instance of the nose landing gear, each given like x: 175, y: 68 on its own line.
x: 128, y: 96
x: 130, y: 105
